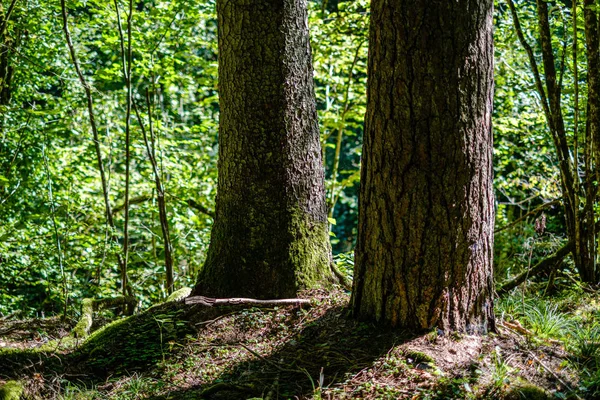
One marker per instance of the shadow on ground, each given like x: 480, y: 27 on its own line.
x: 329, y: 350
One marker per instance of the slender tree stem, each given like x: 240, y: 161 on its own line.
x: 127, y: 61
x: 90, y: 107
x: 160, y: 191
x: 340, y: 133
x: 6, y: 18
x: 55, y: 226
x: 576, y: 187
x: 593, y: 116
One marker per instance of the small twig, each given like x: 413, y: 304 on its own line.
x: 534, y: 211
x: 7, y: 16
x: 254, y: 353
x: 199, y: 207
x: 226, y: 386
x: 9, y: 330
x: 9, y: 316
x: 212, y: 321
x: 554, y: 375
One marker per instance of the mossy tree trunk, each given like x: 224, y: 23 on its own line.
x: 270, y: 234
x: 424, y: 251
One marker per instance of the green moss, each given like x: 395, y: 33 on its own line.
x: 310, y: 252
x: 134, y: 342
x: 82, y: 328
x: 126, y: 344
x: 12, y: 390
x: 526, y: 391
x: 419, y: 357
x: 179, y: 295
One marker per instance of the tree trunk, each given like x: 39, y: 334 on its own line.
x: 6, y: 70
x: 270, y: 235
x: 588, y: 270
x: 424, y: 250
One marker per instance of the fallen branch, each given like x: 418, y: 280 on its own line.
x: 544, y: 265
x: 211, y: 302
x: 9, y: 316
x: 516, y: 327
x: 534, y: 211
x: 569, y: 388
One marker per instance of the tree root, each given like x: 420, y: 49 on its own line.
x: 90, y: 306
x: 343, y: 280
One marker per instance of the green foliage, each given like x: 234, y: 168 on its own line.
x: 500, y: 370
x: 345, y: 263
x: 175, y: 58
x: 545, y: 319
x: 339, y: 44
x: 171, y: 50
x: 586, y: 342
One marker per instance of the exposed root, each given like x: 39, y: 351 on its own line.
x: 90, y: 306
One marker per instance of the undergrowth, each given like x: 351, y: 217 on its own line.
x: 174, y: 352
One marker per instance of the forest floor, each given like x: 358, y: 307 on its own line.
x: 177, y: 352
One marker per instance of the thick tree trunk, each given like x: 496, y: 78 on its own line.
x: 424, y: 251
x: 270, y: 235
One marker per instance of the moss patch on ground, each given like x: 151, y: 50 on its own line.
x: 11, y: 390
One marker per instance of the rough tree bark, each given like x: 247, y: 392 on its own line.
x: 426, y: 220
x: 6, y: 70
x: 589, y: 271
x: 270, y: 235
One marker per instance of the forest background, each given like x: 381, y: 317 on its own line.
x: 55, y: 246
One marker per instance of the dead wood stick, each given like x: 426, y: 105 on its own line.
x: 7, y: 331
x: 569, y: 388
x: 534, y: 211
x: 210, y: 302
x: 254, y: 353
x: 516, y: 326
x: 544, y: 265
x: 225, y: 386
x: 9, y: 316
